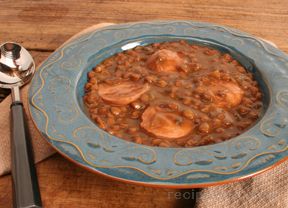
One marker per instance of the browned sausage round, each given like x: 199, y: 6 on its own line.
x: 225, y: 94
x: 165, y: 124
x: 164, y: 61
x: 123, y: 93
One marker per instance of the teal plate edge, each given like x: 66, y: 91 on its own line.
x: 55, y: 103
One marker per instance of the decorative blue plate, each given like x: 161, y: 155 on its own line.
x: 59, y: 114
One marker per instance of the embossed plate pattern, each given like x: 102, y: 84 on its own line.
x: 59, y: 114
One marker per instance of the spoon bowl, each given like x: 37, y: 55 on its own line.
x: 16, y: 65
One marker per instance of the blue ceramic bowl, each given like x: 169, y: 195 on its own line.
x: 57, y: 109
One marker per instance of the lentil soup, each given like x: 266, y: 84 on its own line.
x: 173, y: 94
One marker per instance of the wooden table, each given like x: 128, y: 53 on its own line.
x: 42, y: 26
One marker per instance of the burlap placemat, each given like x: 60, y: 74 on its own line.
x: 267, y: 190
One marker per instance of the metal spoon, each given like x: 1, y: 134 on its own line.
x: 16, y: 69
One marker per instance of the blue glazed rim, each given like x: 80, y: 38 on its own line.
x: 55, y: 102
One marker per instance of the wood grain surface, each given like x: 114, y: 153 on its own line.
x: 63, y: 184
x: 42, y: 26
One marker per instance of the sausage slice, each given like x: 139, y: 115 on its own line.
x: 163, y: 124
x: 122, y: 93
x: 164, y: 61
x: 224, y: 94
x: 227, y: 94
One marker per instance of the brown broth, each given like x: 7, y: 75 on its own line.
x: 182, y: 88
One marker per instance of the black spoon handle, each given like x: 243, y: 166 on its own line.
x: 24, y: 178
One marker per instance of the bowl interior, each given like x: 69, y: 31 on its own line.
x: 103, y: 54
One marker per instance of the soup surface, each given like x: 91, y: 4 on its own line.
x: 172, y: 94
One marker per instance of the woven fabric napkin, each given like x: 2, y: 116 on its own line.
x: 267, y: 190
